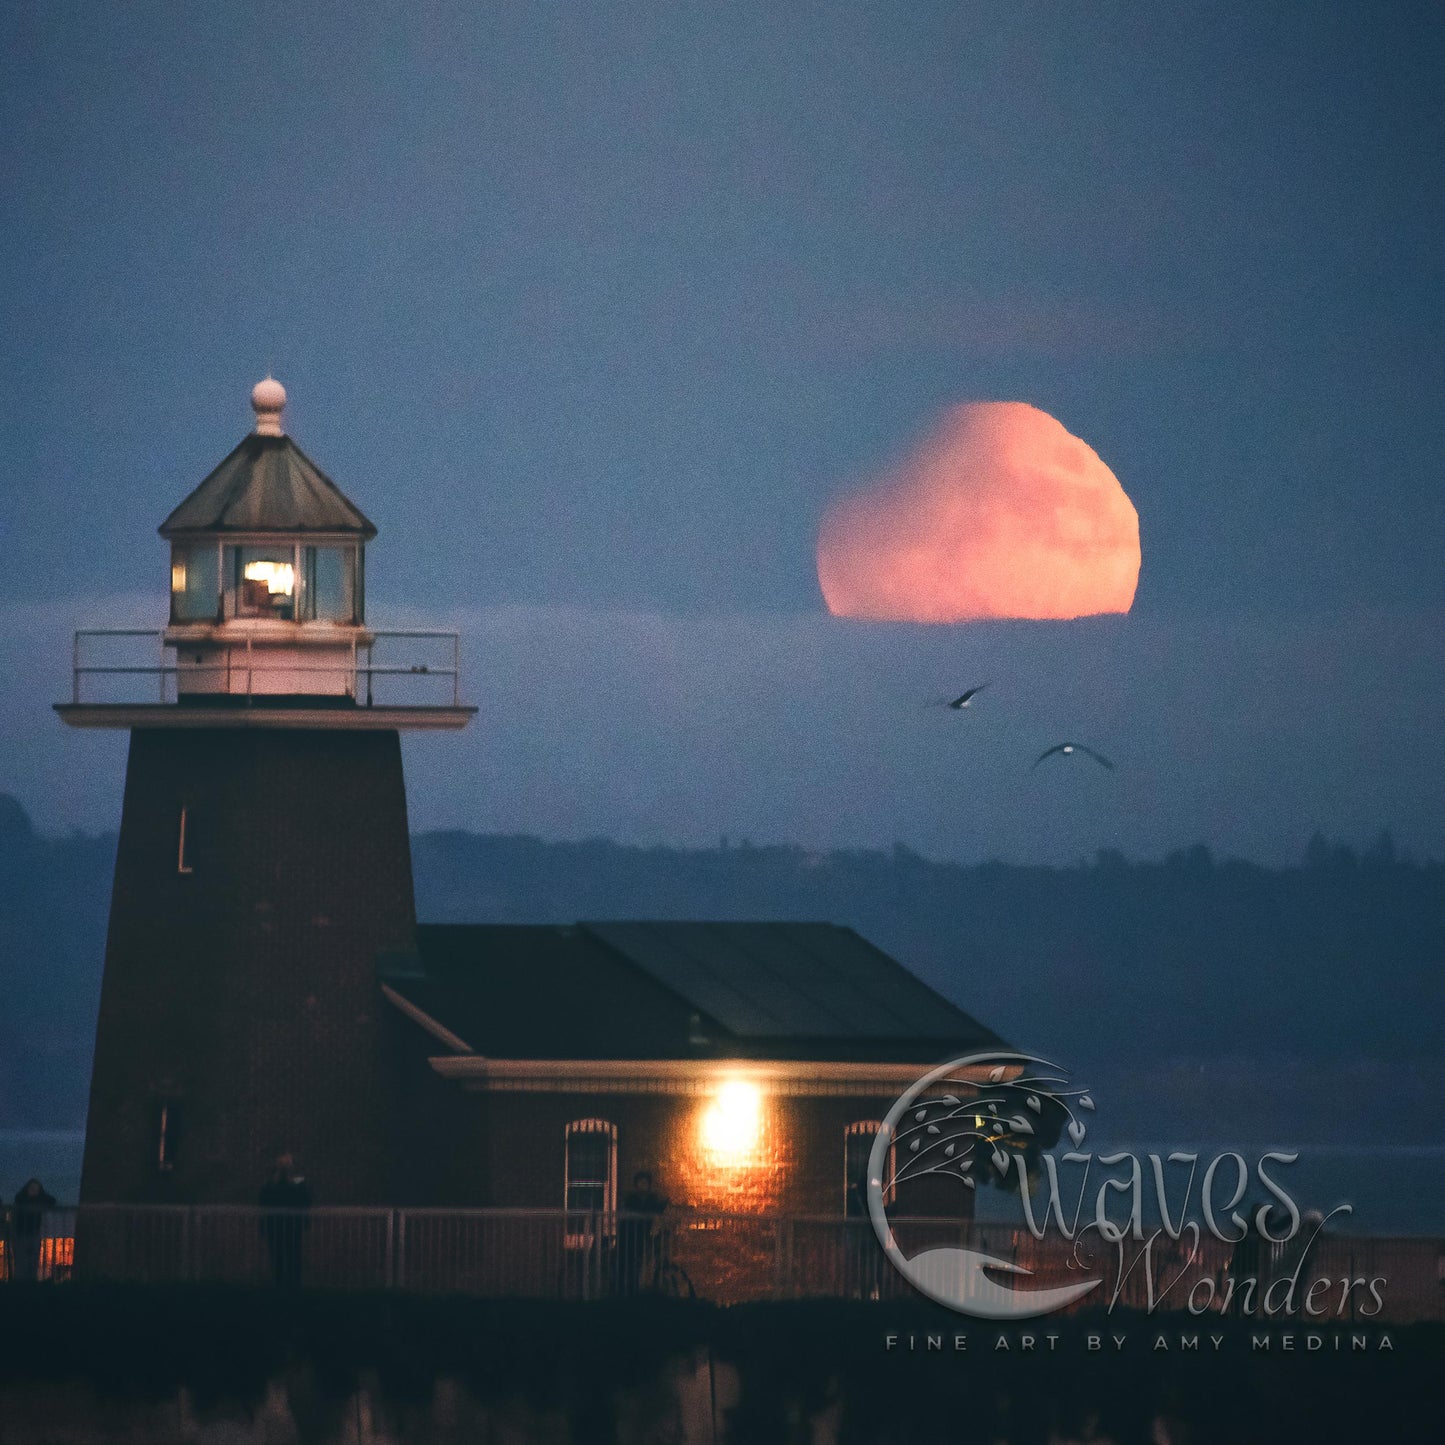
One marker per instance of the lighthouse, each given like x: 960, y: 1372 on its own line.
x: 263, y: 873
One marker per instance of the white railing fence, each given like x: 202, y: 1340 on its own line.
x: 726, y: 1258
x: 138, y: 665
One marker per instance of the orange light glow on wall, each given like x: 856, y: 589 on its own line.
x: 1000, y: 512
x: 731, y: 1125
x: 733, y: 1151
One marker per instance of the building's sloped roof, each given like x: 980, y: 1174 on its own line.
x: 677, y: 990
x: 537, y: 991
x: 788, y: 980
x: 267, y: 484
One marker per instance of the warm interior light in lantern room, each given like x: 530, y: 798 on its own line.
x: 732, y: 1123
x: 279, y: 577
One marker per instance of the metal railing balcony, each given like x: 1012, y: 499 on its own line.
x: 394, y: 668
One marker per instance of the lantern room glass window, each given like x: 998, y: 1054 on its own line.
x: 292, y: 582
x: 329, y: 592
x: 195, y: 582
x: 262, y: 582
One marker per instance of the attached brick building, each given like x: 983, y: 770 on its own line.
x: 745, y: 1066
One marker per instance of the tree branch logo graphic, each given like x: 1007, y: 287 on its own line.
x: 993, y: 1111
x: 1219, y: 1233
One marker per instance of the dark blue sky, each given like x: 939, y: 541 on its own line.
x: 593, y: 307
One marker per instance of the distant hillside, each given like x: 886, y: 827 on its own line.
x: 1140, y: 963
x: 1191, y: 956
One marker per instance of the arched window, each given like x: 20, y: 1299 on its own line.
x: 589, y: 1181
x: 857, y: 1145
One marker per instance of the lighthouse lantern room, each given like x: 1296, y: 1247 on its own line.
x: 267, y: 611
x: 267, y: 561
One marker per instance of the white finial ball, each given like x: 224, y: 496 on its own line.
x: 268, y: 399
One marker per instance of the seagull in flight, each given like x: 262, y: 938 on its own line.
x: 1068, y: 749
x: 962, y: 700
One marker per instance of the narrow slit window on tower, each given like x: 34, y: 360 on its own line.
x: 166, y: 1134
x: 182, y: 862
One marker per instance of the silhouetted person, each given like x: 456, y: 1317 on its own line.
x: 637, y: 1234
x: 287, y: 1194
x: 27, y: 1230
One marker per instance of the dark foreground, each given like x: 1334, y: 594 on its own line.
x: 92, y: 1363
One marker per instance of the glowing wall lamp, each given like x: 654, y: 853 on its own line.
x: 732, y: 1123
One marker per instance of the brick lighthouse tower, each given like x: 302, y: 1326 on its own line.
x: 264, y: 864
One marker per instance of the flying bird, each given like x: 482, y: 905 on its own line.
x: 1068, y: 749
x: 962, y: 700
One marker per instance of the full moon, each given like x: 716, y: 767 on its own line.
x: 999, y: 512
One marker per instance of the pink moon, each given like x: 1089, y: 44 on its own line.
x: 999, y: 512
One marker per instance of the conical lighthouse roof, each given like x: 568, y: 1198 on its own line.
x: 267, y: 484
